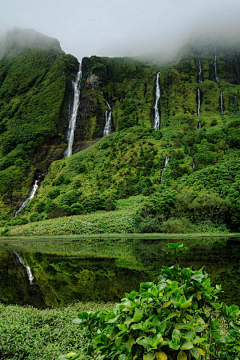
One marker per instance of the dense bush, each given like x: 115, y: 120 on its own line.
x: 176, y: 318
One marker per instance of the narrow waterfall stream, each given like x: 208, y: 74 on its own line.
x: 32, y: 194
x: 108, y: 121
x: 215, y: 67
x: 72, y: 122
x: 200, y: 80
x: 200, y: 73
x: 29, y: 272
x: 198, y: 102
x: 164, y: 169
x: 157, y: 121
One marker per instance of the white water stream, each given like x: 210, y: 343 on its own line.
x: 165, y: 167
x: 72, y: 122
x: 108, y: 121
x: 32, y: 194
x: 29, y: 272
x: 157, y: 122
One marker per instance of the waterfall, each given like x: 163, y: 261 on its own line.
x: 199, y: 69
x: 221, y: 102
x: 108, y: 122
x: 164, y: 169
x: 29, y: 273
x: 235, y: 104
x: 199, y: 125
x: 72, y: 122
x: 215, y: 67
x: 198, y: 102
x: 32, y: 194
x: 193, y: 165
x: 157, y: 95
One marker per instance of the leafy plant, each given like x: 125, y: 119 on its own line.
x: 176, y: 318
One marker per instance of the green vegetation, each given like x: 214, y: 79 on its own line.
x: 28, y: 333
x: 199, y: 189
x: 35, y: 87
x: 177, y: 318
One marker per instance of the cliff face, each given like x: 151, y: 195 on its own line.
x: 128, y: 87
x: 35, y: 91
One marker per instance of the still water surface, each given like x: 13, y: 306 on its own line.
x: 70, y: 268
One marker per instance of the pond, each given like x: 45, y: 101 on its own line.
x: 66, y: 269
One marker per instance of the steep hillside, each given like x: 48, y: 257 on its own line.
x: 35, y: 90
x: 188, y: 167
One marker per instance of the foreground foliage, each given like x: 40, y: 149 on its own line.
x: 176, y: 318
x: 30, y: 334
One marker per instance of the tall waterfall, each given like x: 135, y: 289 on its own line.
x: 235, y: 104
x: 198, y: 102
x: 157, y: 122
x: 29, y: 273
x: 164, y: 169
x: 199, y: 125
x: 215, y: 67
x: 200, y: 73
x: 108, y: 121
x: 221, y: 102
x: 72, y: 122
x: 32, y: 194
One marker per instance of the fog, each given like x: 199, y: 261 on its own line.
x: 121, y: 27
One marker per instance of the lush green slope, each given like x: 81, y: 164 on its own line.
x: 35, y: 88
x: 130, y: 161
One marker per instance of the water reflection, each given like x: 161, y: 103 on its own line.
x: 103, y: 269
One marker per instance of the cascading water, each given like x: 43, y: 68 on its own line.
x: 157, y: 122
x: 108, y: 123
x: 72, y: 122
x: 215, y: 67
x: 32, y: 194
x: 235, y: 105
x: 29, y: 273
x: 221, y: 102
x: 198, y: 102
x: 164, y: 169
x: 199, y: 125
x: 200, y: 73
x: 193, y: 165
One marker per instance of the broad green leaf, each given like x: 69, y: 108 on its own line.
x: 143, y: 342
x: 187, y: 345
x: 197, y: 277
x: 201, y: 351
x: 149, y: 356
x: 154, y: 291
x: 130, y: 343
x: 137, y: 316
x: 113, y: 320
x: 118, y: 341
x: 160, y: 355
x: 122, y: 357
x: 195, y: 352
x: 190, y: 334
x: 185, y: 305
x: 182, y: 355
x: 176, y: 334
x: 173, y: 246
x: 166, y: 304
x: 77, y: 321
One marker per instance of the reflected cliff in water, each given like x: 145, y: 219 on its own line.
x: 104, y: 269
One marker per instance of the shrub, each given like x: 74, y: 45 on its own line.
x: 53, y: 193
x: 177, y: 318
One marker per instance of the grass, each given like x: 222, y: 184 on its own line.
x: 28, y: 333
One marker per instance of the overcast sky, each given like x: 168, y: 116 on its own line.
x: 121, y: 27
